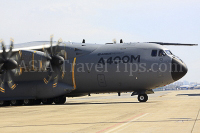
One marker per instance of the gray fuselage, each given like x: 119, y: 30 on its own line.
x: 98, y: 68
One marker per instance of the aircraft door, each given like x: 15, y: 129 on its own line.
x: 101, y: 80
x: 161, y: 55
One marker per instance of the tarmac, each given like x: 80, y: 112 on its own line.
x: 164, y: 112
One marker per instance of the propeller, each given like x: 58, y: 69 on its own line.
x: 8, y: 65
x: 63, y: 53
x: 56, y: 61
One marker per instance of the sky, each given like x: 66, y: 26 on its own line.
x: 100, y: 21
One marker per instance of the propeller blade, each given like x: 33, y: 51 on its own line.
x: 1, y: 61
x: 49, y: 77
x: 46, y: 54
x: 4, y: 50
x: 18, y: 71
x: 11, y: 84
x: 20, y: 55
x: 63, y: 72
x: 1, y: 70
x: 1, y: 64
x: 51, y: 41
x: 56, y: 47
x: 63, y: 75
x: 2, y: 89
x: 44, y: 48
x: 45, y: 61
x: 16, y: 57
x: 11, y: 47
x: 55, y: 81
x: 63, y: 53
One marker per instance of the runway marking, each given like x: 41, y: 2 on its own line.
x: 195, y: 121
x: 131, y: 121
x: 125, y: 122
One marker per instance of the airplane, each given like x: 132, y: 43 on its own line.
x: 47, y: 71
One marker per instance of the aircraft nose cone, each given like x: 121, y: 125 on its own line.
x: 179, y: 69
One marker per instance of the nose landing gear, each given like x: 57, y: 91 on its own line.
x: 142, y: 94
x: 142, y: 97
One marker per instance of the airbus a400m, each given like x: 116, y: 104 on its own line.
x: 48, y: 72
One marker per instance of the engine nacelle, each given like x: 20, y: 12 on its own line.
x: 33, y: 60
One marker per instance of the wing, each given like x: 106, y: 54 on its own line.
x: 38, y: 45
x: 174, y: 44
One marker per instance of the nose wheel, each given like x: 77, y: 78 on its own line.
x: 142, y: 97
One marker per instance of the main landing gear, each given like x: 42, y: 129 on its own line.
x: 4, y: 103
x: 28, y: 102
x: 16, y: 102
x: 142, y: 97
x: 57, y: 100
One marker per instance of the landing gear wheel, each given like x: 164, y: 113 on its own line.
x: 4, y: 103
x: 28, y: 101
x: 37, y: 101
x: 16, y: 102
x: 142, y: 97
x: 59, y: 100
x: 47, y: 101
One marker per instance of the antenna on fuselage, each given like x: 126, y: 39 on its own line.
x: 83, y: 41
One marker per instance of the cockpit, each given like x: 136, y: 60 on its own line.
x: 178, y: 67
x: 168, y: 52
x: 160, y: 53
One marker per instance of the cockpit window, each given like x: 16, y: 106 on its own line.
x: 161, y: 53
x: 168, y: 52
x: 154, y: 53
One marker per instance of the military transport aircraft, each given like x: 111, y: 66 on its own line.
x: 47, y: 72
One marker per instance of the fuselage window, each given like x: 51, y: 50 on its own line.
x: 161, y: 53
x: 154, y: 53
